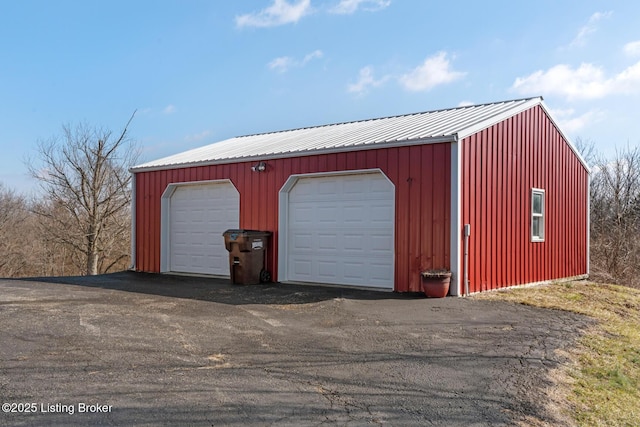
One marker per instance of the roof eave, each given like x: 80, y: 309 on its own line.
x: 314, y: 152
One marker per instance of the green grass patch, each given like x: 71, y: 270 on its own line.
x: 605, y: 368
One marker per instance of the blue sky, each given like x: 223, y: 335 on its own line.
x: 202, y: 71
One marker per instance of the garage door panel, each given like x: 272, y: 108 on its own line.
x: 327, y: 269
x: 341, y: 227
x: 198, y: 215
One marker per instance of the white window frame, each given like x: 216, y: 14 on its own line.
x: 541, y: 215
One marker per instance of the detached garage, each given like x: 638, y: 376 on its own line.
x: 495, y: 193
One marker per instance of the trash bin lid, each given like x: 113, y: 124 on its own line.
x: 234, y: 233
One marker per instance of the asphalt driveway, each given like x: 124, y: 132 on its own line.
x: 141, y: 349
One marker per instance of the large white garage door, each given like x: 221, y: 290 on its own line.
x: 198, y: 215
x: 341, y: 230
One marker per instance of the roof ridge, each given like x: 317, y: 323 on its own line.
x: 390, y: 117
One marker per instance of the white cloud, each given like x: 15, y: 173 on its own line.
x: 169, y: 109
x: 316, y: 54
x: 632, y: 48
x: 283, y: 64
x: 570, y: 123
x: 279, y: 13
x: 589, y: 28
x: 347, y: 7
x: 585, y: 82
x: 365, y: 81
x: 435, y: 70
x: 465, y: 103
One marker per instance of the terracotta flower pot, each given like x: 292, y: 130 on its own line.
x: 435, y: 283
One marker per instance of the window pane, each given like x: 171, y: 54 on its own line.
x: 537, y: 203
x: 536, y: 227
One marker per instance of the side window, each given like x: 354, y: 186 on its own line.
x: 537, y: 215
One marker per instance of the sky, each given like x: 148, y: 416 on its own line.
x: 196, y: 72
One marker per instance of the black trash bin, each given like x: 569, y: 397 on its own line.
x: 247, y: 255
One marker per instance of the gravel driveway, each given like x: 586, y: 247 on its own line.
x: 142, y: 349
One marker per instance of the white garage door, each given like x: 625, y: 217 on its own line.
x: 198, y: 215
x: 341, y: 230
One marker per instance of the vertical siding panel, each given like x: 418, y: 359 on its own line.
x: 392, y: 174
x: 382, y: 161
x: 535, y: 156
x: 402, y: 216
x: 497, y: 200
x: 155, y: 223
x: 498, y: 212
x: 574, y: 235
x: 354, y: 160
x: 372, y: 156
x: 436, y: 201
x: 542, y: 177
x: 478, y: 226
x: 533, y: 248
x: 488, y: 254
x: 446, y: 208
x: 477, y: 211
x: 474, y: 240
x: 522, y: 199
x: 242, y: 189
x: 549, y: 176
x: 322, y: 163
x: 253, y: 201
x: 142, y: 236
x: 517, y: 197
x: 151, y: 214
x: 530, y: 180
x: 155, y: 240
x: 341, y: 161
x: 497, y: 207
x: 562, y: 201
x: 416, y: 225
x: 271, y: 204
x: 148, y: 235
x: 332, y: 162
x: 144, y: 193
x: 503, y: 205
x: 138, y: 239
x: 426, y: 210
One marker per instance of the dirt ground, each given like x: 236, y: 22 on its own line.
x: 143, y: 349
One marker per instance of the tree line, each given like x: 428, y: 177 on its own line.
x: 614, y: 214
x: 80, y: 222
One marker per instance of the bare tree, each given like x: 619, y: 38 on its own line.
x: 12, y: 217
x: 85, y: 179
x: 615, y: 217
x: 587, y: 149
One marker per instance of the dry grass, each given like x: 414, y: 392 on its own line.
x: 605, y: 369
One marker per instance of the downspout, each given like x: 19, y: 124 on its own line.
x: 133, y: 222
x: 456, y: 215
x: 467, y: 233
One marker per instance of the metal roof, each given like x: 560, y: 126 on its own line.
x: 431, y: 126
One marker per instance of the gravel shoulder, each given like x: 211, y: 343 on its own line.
x: 166, y: 350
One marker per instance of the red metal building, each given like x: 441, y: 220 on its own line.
x: 493, y: 192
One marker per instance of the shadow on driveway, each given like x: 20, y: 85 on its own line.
x: 221, y: 290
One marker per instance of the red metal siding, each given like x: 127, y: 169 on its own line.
x: 500, y: 166
x: 422, y: 179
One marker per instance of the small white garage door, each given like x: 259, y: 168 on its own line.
x: 198, y: 215
x: 341, y: 230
